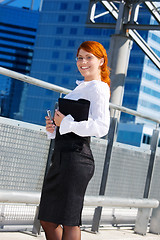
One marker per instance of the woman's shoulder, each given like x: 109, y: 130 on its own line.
x: 99, y: 86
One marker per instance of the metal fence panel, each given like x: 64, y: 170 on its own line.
x: 127, y: 172
x: 98, y: 147
x: 24, y: 150
x: 155, y: 183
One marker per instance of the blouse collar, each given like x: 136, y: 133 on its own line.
x: 78, y: 82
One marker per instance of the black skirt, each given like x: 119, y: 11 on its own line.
x: 67, y: 179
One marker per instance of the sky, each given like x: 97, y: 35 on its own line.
x: 22, y: 3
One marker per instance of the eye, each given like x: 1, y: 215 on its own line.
x: 89, y: 57
x: 79, y: 58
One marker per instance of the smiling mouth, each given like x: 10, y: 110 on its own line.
x: 84, y: 68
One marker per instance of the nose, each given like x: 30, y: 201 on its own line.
x: 84, y: 60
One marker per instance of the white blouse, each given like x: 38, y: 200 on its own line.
x: 98, y: 93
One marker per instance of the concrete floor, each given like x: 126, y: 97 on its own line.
x: 104, y: 234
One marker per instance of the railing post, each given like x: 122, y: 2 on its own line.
x: 154, y: 144
x: 142, y: 221
x: 36, y: 230
x: 155, y: 221
x: 98, y: 210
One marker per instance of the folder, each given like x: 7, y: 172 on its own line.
x: 78, y: 109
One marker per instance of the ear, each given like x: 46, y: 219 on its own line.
x: 101, y: 61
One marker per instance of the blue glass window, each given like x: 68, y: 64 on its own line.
x: 73, y: 31
x: 136, y: 59
x: 144, y: 19
x: 47, y: 104
x: 61, y: 18
x: 77, y: 6
x: 75, y: 19
x: 150, y: 92
x: 59, y: 30
x: 93, y: 31
x: 134, y: 73
x: 127, y: 118
x: 132, y: 87
x: 71, y: 43
x: 150, y: 105
x: 156, y: 51
x: 131, y: 100
x: 55, y: 54
x: 67, y: 68
x: 48, y: 92
x: 51, y: 79
x: 57, y: 42
x: 69, y: 55
x: 151, y: 78
x: 53, y: 67
x: 65, y: 80
x: 63, y: 6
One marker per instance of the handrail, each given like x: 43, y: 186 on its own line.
x: 34, y: 81
x: 133, y: 112
x: 104, y: 201
x: 46, y: 85
x: 9, y: 196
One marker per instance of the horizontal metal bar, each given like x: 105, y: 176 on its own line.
x: 126, y: 26
x: 33, y: 81
x: 8, y: 196
x: 120, y: 202
x: 56, y: 88
x: 142, y: 27
x: 133, y: 112
x: 101, y: 25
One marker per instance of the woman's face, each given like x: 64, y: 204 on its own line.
x: 89, y: 65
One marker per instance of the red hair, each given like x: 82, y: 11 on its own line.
x: 99, y: 51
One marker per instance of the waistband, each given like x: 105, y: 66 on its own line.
x: 70, y: 142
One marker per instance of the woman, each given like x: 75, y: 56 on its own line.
x: 73, y: 165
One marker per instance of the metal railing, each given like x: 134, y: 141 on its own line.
x: 94, y: 201
x: 144, y: 206
x: 59, y: 89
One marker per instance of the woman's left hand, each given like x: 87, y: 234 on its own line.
x: 58, y: 117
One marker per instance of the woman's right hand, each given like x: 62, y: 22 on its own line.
x: 49, y: 125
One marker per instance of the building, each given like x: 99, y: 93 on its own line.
x: 61, y: 29
x: 17, y: 36
x: 149, y: 94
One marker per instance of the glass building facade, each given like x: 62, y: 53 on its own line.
x: 62, y: 28
x: 17, y: 36
x: 142, y: 85
x: 149, y: 94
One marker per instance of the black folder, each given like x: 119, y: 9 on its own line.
x: 78, y: 109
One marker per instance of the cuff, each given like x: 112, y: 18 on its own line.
x: 51, y: 135
x: 66, y: 125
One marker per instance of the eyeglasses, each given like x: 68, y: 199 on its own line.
x: 87, y: 59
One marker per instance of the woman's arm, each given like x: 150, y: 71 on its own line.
x: 99, y: 116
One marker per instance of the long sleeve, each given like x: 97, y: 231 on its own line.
x: 99, y: 118
x: 51, y: 135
